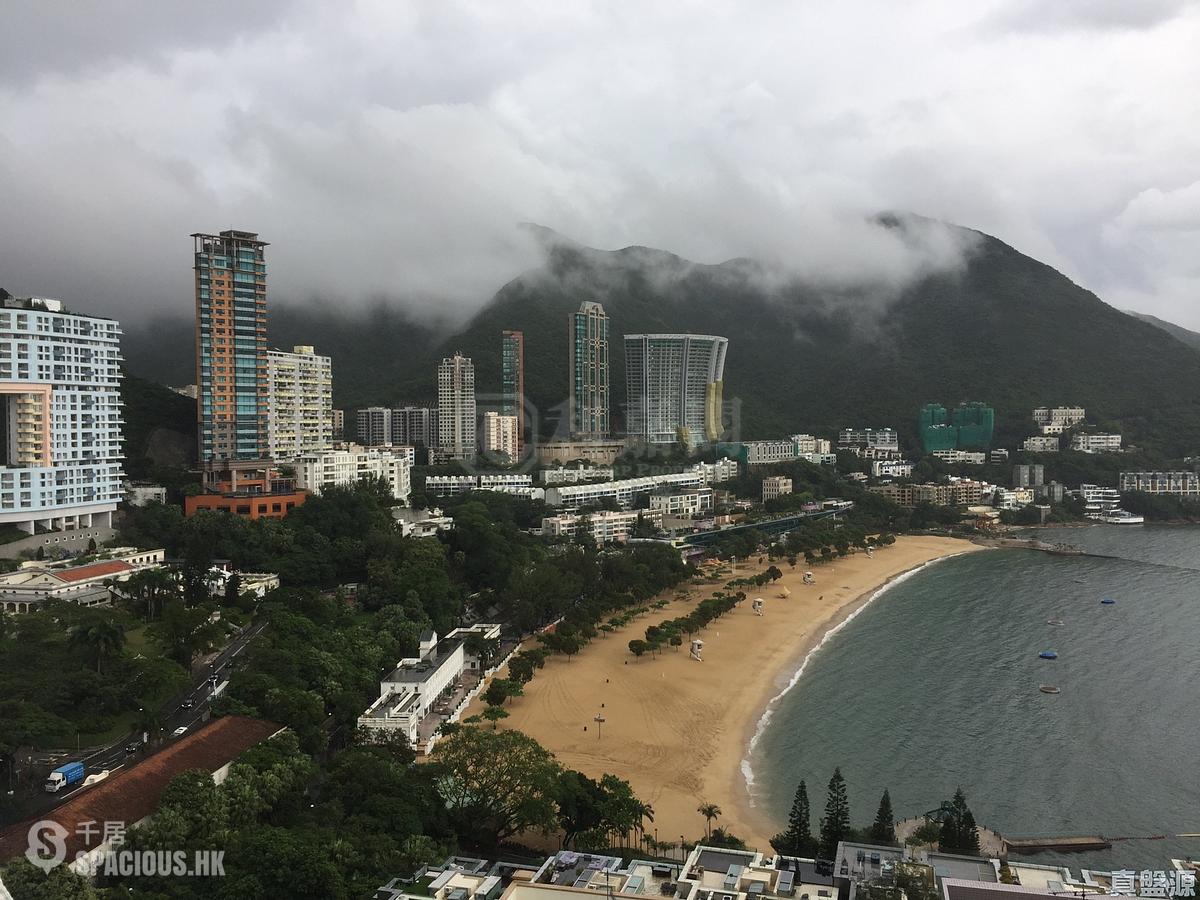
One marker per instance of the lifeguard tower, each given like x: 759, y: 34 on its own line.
x: 757, y: 605
x: 697, y: 649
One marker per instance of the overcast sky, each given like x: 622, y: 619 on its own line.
x: 387, y: 148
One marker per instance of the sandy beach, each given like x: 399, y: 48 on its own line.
x: 679, y: 729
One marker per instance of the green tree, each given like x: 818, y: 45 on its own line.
x: 579, y: 801
x: 638, y: 647
x: 494, y: 714
x: 496, y: 693
x: 496, y: 784
x: 798, y: 839
x: 101, y: 638
x: 883, y: 829
x: 835, y: 825
x: 27, y: 882
x: 959, y: 834
x: 711, y: 813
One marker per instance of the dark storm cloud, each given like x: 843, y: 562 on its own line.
x: 389, y: 149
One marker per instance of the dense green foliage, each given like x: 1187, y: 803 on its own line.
x: 959, y: 834
x: 66, y: 671
x: 159, y: 430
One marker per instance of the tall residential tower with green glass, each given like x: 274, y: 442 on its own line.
x: 512, y: 380
x: 231, y: 346
x: 587, y: 401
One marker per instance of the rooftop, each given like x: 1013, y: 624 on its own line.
x: 133, y: 794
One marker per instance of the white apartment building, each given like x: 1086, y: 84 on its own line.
x: 456, y: 408
x: 604, y: 527
x: 346, y: 465
x: 576, y: 474
x: 419, y: 686
x: 1041, y: 444
x: 299, y: 402
x: 807, y: 443
x: 682, y: 504
x: 775, y: 486
x: 971, y: 457
x: 891, y: 468
x: 881, y: 438
x: 1061, y: 416
x: 724, y: 469
x: 374, y: 426
x: 500, y: 434
x: 1098, y: 499
x: 60, y: 417
x: 623, y: 492
x: 819, y: 459
x: 1186, y: 484
x: 516, y: 483
x: 1096, y: 443
x: 764, y: 453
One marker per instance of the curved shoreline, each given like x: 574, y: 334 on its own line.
x: 843, y: 617
x: 677, y: 729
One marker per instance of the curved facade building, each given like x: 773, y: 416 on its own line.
x: 675, y: 384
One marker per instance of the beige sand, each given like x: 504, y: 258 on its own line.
x: 678, y: 729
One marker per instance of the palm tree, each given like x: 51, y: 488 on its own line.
x: 102, y: 638
x: 711, y: 812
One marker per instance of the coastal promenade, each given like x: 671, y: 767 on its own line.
x: 679, y: 729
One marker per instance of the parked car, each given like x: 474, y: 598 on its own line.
x: 180, y: 731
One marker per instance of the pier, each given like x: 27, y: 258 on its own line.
x: 1074, y: 844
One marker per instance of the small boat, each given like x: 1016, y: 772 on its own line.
x: 1081, y: 581
x: 1048, y: 654
x: 1108, y: 601
x: 1054, y: 622
x: 1048, y: 689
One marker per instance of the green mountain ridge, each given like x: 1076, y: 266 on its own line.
x: 1187, y: 336
x: 1004, y: 328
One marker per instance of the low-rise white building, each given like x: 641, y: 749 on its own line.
x: 424, y: 685
x: 880, y: 438
x: 765, y: 453
x: 1096, y: 443
x: 775, y: 486
x: 1185, y: 484
x: 1061, y: 416
x: 576, y: 474
x: 604, y: 526
x: 623, y: 492
x: 819, y: 459
x: 421, y: 522
x: 683, y: 504
x: 807, y: 443
x: 346, y: 465
x: 1040, y: 444
x: 516, y: 483
x: 89, y: 584
x: 891, y: 468
x: 970, y: 457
